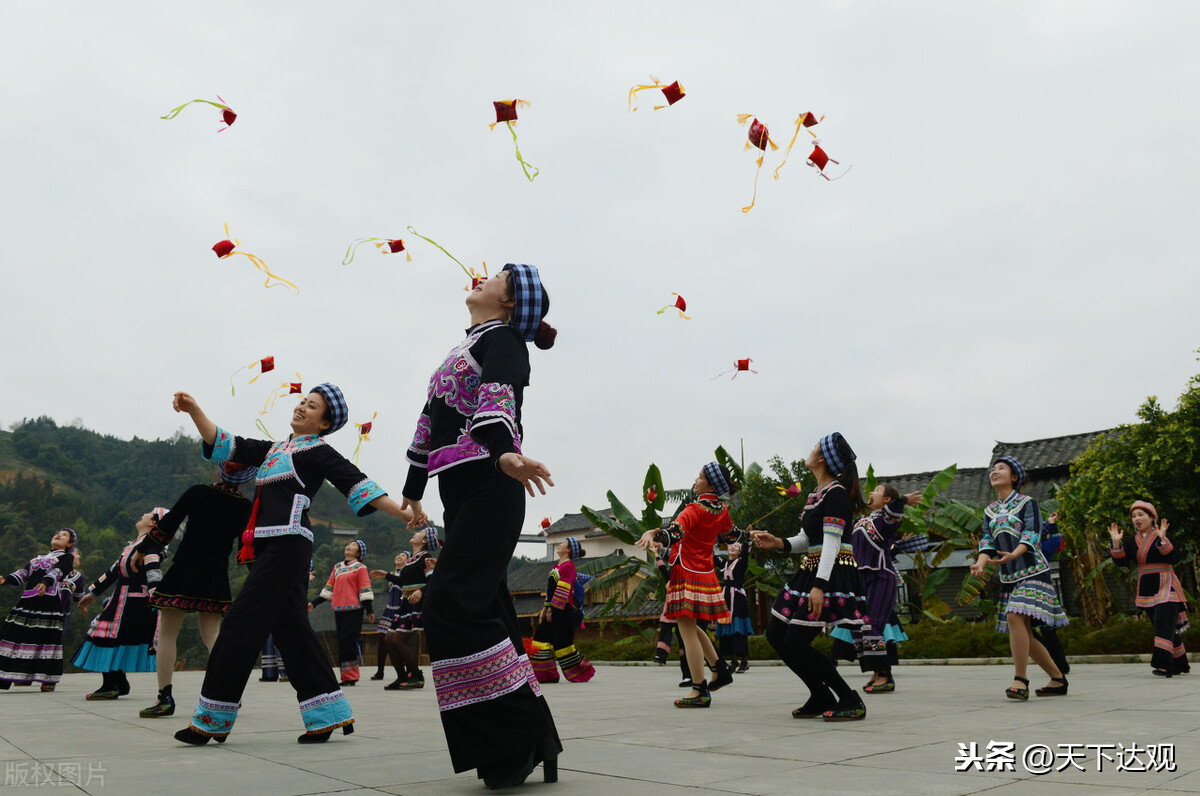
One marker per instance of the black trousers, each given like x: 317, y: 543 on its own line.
x: 273, y: 602
x: 794, y: 645
x: 349, y: 628
x: 471, y: 624
x: 1168, y: 642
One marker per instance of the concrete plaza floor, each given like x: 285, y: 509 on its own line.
x: 623, y: 736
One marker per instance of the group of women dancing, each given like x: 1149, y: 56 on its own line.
x: 469, y: 434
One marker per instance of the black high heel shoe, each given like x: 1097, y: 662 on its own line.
x: 517, y: 769
x: 188, y: 735
x: 322, y: 737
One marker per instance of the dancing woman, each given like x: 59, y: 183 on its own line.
x: 198, y: 579
x: 825, y: 592
x: 403, y: 641
x: 121, y: 638
x: 391, y: 610
x: 349, y: 592
x: 273, y: 600
x: 733, y: 636
x: 1159, y: 592
x: 874, y: 538
x: 469, y: 435
x: 694, y: 594
x: 31, y: 639
x: 1011, y: 536
x: 554, y: 639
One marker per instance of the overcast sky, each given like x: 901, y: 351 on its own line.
x: 1013, y: 255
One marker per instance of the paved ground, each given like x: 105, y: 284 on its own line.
x: 622, y: 735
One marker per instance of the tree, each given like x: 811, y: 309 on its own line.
x: 1157, y: 459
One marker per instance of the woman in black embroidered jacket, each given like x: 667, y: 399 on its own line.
x: 469, y: 434
x: 825, y: 592
x: 274, y: 599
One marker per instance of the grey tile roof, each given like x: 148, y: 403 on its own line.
x: 530, y: 578
x: 570, y: 522
x: 1046, y: 460
x: 1054, y: 452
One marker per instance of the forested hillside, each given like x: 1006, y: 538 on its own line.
x: 53, y: 476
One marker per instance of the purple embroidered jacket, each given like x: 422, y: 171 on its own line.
x: 473, y: 406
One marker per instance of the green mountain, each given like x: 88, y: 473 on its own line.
x: 53, y: 476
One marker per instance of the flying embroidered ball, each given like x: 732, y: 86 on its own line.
x: 759, y: 137
x: 506, y: 113
x: 679, y: 304
x: 227, y: 114
x: 673, y: 93
x: 394, y: 246
x: 226, y: 248
x: 265, y: 365
x: 739, y: 366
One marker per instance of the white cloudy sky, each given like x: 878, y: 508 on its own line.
x: 1012, y: 256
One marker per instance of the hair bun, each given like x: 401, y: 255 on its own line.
x: 545, y: 335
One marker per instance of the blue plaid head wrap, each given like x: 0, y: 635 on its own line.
x: 833, y: 457
x: 573, y: 545
x: 362, y: 549
x: 716, y: 479
x: 529, y: 297
x: 235, y: 472
x: 432, y: 542
x: 338, y: 411
x: 1017, y: 468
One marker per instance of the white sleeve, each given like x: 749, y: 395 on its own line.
x: 798, y: 543
x: 830, y: 548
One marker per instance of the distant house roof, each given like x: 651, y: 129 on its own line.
x: 1044, y: 454
x: 569, y: 523
x: 1047, y: 462
x: 531, y: 577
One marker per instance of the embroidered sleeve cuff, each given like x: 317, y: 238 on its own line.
x: 418, y: 451
x: 1117, y: 552
x: 894, y: 510
x: 1165, y: 546
x: 562, y: 596
x: 222, y: 448
x: 326, y: 594
x: 361, y: 495
x: 673, y: 532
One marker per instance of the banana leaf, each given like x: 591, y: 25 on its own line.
x: 611, y: 528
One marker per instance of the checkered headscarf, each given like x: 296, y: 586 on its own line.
x: 362, y: 549
x: 573, y: 546
x: 432, y: 542
x: 712, y: 472
x: 528, y: 296
x: 831, y: 454
x: 338, y: 411
x: 1017, y: 468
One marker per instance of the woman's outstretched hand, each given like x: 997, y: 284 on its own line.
x: 529, y: 472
